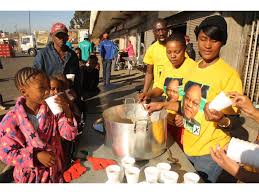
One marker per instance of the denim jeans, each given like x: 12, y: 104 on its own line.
x: 107, y: 71
x: 208, y: 170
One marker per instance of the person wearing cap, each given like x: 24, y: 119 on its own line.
x: 215, y: 74
x: 86, y: 48
x: 57, y: 58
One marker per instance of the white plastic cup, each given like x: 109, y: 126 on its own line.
x: 169, y: 177
x: 243, y: 152
x: 127, y: 162
x: 113, y: 173
x: 220, y: 102
x: 70, y: 76
x: 163, y: 166
x: 151, y: 174
x: 191, y: 177
x: 54, y: 107
x: 132, y: 174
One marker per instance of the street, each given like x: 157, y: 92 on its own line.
x: 7, y: 87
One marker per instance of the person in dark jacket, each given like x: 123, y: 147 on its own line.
x: 57, y: 58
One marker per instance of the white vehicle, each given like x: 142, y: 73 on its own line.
x: 29, y: 45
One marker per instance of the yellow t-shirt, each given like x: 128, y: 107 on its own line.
x: 171, y: 73
x: 201, y: 134
x: 156, y: 56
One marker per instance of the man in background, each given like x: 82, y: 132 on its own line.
x: 107, y: 51
x: 86, y: 48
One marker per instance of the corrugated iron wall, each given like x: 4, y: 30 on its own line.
x: 251, y: 69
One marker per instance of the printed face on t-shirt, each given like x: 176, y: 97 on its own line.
x: 191, y: 103
x: 172, y: 90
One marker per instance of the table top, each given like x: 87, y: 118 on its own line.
x: 103, y: 151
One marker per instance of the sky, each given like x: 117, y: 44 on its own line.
x: 40, y: 20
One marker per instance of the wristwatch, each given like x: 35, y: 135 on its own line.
x: 224, y: 122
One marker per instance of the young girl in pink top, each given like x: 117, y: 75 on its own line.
x: 30, y: 134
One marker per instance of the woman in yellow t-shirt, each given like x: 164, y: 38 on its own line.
x: 177, y: 66
x: 210, y: 76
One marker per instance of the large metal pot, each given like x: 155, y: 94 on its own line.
x: 130, y: 131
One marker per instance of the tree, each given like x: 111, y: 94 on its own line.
x: 80, y: 19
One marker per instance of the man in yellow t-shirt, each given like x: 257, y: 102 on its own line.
x: 155, y: 57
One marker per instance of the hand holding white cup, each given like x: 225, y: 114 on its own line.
x: 54, y: 107
x: 220, y: 102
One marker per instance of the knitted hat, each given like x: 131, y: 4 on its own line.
x: 217, y: 21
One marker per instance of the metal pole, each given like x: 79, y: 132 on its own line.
x: 30, y: 22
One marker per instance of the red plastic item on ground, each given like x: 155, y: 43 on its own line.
x: 74, y: 172
x: 100, y: 163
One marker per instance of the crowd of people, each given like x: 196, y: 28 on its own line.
x: 189, y: 87
x: 36, y: 142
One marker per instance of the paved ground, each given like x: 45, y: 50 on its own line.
x: 124, y: 86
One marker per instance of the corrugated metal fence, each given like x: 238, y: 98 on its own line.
x: 251, y: 73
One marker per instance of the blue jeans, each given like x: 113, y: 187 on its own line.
x: 107, y: 71
x: 208, y: 170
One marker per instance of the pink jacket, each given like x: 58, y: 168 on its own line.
x: 19, y: 141
x: 130, y: 50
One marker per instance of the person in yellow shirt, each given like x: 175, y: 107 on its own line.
x: 155, y: 56
x: 203, y: 127
x: 170, y: 84
x: 176, y: 66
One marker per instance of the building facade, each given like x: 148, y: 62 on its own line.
x: 241, y: 50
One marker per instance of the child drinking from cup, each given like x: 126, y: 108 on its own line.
x: 30, y: 134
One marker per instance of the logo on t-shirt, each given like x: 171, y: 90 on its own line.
x: 160, y: 69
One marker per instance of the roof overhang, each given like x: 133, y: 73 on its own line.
x: 102, y: 21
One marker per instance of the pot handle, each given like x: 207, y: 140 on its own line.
x: 141, y: 124
x: 129, y: 101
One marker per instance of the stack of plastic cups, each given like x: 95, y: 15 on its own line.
x: 162, y: 167
x: 243, y: 152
